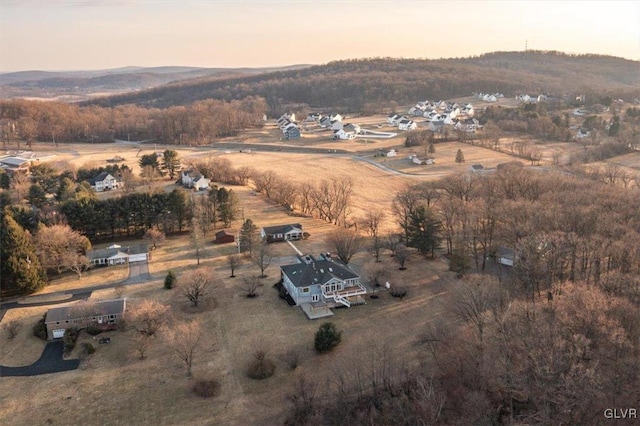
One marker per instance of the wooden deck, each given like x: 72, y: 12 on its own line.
x: 316, y: 310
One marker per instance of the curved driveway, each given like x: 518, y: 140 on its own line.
x: 50, y: 361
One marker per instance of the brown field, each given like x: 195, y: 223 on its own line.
x: 114, y: 387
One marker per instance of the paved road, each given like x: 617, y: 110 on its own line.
x: 138, y: 273
x: 50, y: 361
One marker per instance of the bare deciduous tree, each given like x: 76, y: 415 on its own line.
x: 345, y: 243
x: 149, y: 317
x: 185, y: 338
x: 250, y: 285
x: 155, y: 235
x: 11, y: 328
x: 233, y: 261
x: 401, y: 256
x: 195, y: 285
x: 262, y: 257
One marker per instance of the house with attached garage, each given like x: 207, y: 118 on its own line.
x: 407, y: 125
x: 104, y: 315
x: 288, y: 232
x: 324, y: 281
x: 325, y: 122
x: 352, y: 127
x: 391, y: 119
x: 118, y: 255
x: 103, y: 182
x: 193, y: 179
x: 341, y: 134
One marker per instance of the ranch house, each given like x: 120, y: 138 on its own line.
x: 105, y: 315
x: 281, y: 232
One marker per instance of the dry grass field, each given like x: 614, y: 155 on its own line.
x: 114, y: 387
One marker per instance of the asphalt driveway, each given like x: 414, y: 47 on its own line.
x: 50, y: 362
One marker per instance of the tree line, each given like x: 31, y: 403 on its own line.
x: 198, y: 123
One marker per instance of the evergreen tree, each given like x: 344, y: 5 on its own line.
x: 249, y: 238
x: 170, y: 280
x: 432, y: 148
x: 424, y: 230
x: 227, y: 205
x: 20, y: 269
x: 37, y: 196
x: 170, y: 162
x: 150, y: 160
x: 327, y: 337
x: 5, y: 180
x: 459, y: 157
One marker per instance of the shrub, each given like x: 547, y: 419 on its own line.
x: 69, y: 339
x: 399, y: 292
x: 88, y: 348
x: 261, y: 367
x: 327, y: 337
x: 292, y: 357
x: 206, y: 388
x: 93, y: 330
x: 11, y: 329
x: 40, y: 329
x: 170, y: 280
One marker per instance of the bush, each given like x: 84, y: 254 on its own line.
x: 93, y: 330
x: 170, y: 280
x: 40, y: 329
x: 88, y: 348
x: 206, y: 388
x: 69, y: 339
x: 11, y: 329
x: 399, y: 292
x: 261, y: 367
x: 292, y: 357
x: 327, y: 337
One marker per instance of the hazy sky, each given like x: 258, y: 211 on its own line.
x: 96, y: 34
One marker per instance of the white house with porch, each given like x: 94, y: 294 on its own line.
x: 193, y: 179
x: 322, y: 282
x: 104, y: 182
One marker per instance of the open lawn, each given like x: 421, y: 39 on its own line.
x: 114, y: 387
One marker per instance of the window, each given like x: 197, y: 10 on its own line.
x: 315, y: 298
x: 112, y: 317
x: 305, y: 290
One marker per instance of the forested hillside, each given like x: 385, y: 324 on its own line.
x: 369, y: 85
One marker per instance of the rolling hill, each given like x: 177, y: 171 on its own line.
x: 363, y: 84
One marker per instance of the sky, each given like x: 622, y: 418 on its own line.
x: 99, y: 34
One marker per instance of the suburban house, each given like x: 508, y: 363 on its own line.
x: 325, y: 122
x: 105, y: 315
x: 421, y: 161
x: 281, y: 232
x: 407, y: 125
x: 118, y: 255
x: 322, y: 282
x: 342, y: 134
x: 104, y: 182
x: 352, y: 127
x: 291, y: 131
x: 283, y: 122
x: 476, y: 168
x: 193, y: 179
x: 505, y: 256
x: 335, y: 117
x: 393, y: 118
x: 15, y: 164
x: 436, y: 126
x: 391, y: 153
x: 583, y: 133
x: 469, y: 125
x: 430, y: 114
x: 468, y: 110
x: 223, y: 237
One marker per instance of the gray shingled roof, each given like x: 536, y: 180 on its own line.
x: 281, y: 229
x: 317, y: 272
x: 67, y: 313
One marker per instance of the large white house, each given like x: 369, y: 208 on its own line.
x: 322, y: 282
x: 407, y: 125
x: 104, y: 182
x: 193, y: 179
